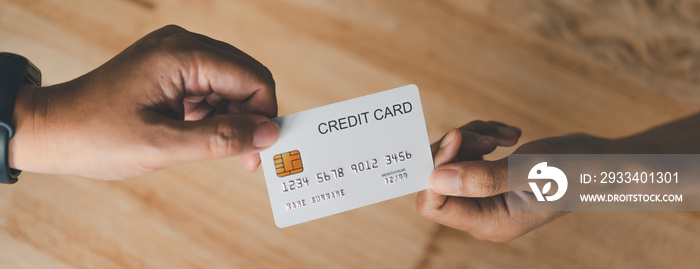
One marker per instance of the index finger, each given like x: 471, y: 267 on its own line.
x: 232, y: 78
x: 259, y: 103
x: 207, y: 66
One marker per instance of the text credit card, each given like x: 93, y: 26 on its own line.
x: 347, y: 155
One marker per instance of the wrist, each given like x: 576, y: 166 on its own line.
x: 22, y: 145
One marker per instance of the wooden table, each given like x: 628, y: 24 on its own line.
x: 608, y: 68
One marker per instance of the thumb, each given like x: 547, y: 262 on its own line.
x: 447, y: 148
x: 221, y: 136
x: 471, y: 179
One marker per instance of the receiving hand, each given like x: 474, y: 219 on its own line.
x: 470, y: 194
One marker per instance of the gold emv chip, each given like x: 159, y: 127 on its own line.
x: 288, y: 163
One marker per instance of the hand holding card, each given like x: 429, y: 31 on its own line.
x: 347, y: 155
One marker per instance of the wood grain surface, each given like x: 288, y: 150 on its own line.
x: 609, y: 68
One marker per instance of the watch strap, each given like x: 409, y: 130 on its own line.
x: 14, y: 71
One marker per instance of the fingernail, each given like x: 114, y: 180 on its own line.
x: 265, y: 134
x: 447, y: 139
x: 507, y: 132
x: 445, y: 181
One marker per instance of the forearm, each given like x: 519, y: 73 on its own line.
x: 678, y: 137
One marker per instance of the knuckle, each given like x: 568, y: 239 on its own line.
x: 428, y: 213
x: 166, y: 49
x: 171, y: 28
x: 226, y: 141
x: 175, y: 40
x: 170, y: 37
x: 166, y: 35
x: 424, y: 210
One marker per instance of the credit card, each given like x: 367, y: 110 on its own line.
x: 347, y: 155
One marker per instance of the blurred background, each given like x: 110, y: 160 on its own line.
x: 608, y: 68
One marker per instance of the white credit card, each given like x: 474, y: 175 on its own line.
x: 347, y: 155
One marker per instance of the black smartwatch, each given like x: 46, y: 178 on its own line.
x: 14, y: 71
